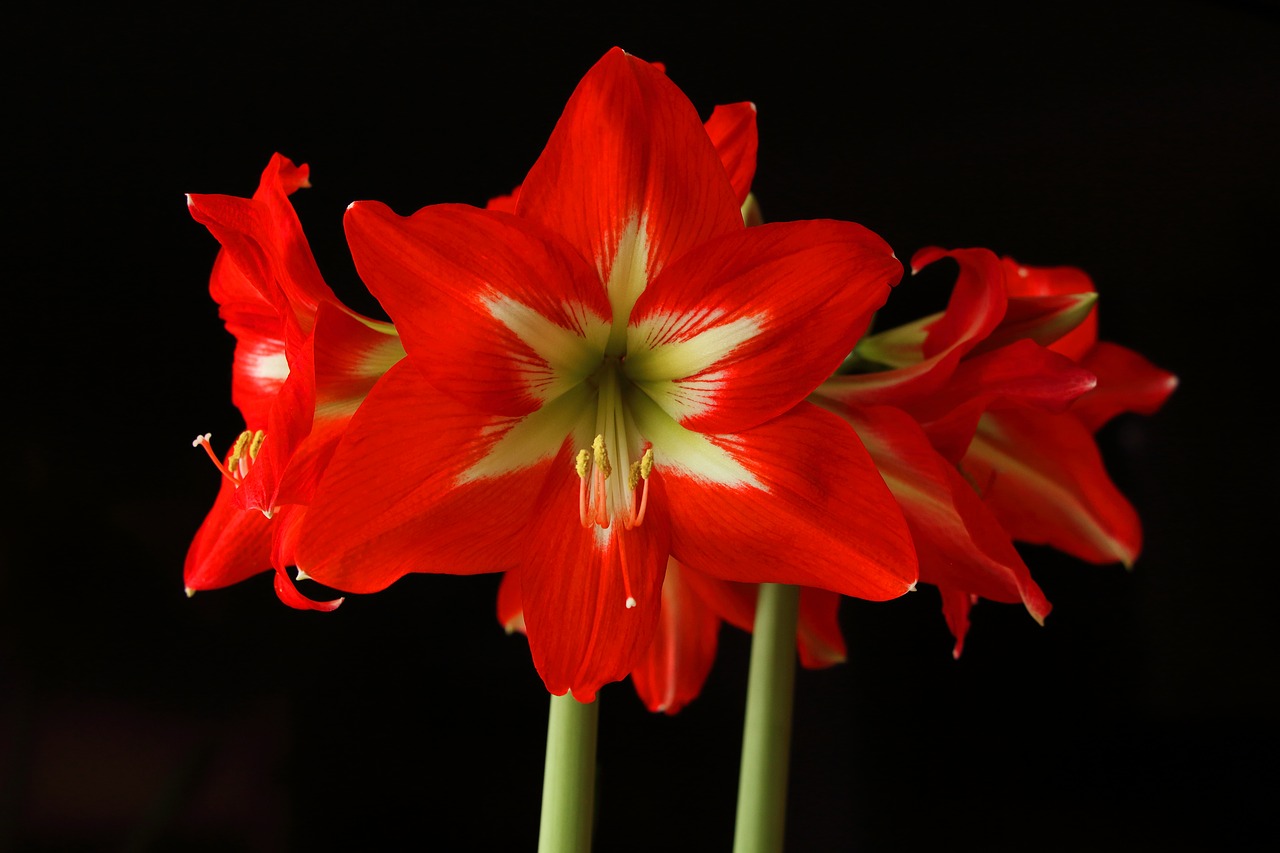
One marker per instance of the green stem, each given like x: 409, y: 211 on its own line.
x: 766, y: 738
x: 569, y: 780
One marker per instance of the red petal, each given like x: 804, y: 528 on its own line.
x: 1127, y: 382
x: 575, y: 583
x: 671, y: 673
x: 818, y: 638
x: 288, y: 593
x: 1023, y: 374
x: 510, y: 608
x: 960, y: 544
x: 751, y: 323
x: 1023, y: 280
x: 264, y: 238
x: 976, y: 307
x: 818, y: 515
x: 230, y: 545
x: 1043, y: 478
x: 495, y: 312
x: 401, y: 493
x: 630, y: 176
x: 732, y: 128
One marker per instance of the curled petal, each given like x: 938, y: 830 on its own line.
x: 1023, y: 280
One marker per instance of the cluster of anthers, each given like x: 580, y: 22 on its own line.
x: 241, y: 457
x: 594, y: 470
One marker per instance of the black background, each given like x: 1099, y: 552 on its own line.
x: 1139, y: 143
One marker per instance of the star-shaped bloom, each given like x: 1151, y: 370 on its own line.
x: 611, y: 376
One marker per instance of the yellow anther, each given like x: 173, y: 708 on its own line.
x: 646, y: 463
x: 633, y: 476
x: 600, y: 455
x: 238, y: 449
x: 581, y: 462
x: 255, y: 444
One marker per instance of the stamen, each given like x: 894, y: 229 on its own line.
x: 580, y: 464
x: 600, y: 458
x: 241, y: 457
x: 639, y: 477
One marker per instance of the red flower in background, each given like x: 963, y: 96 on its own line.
x: 981, y: 420
x: 302, y: 364
x: 612, y: 376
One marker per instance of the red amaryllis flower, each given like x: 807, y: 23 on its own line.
x: 302, y: 364
x: 611, y: 376
x: 979, y: 427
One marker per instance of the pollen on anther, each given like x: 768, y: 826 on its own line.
x: 581, y: 463
x: 600, y: 455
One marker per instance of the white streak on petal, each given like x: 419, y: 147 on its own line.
x: 271, y: 366
x: 629, y: 274
x: 688, y: 453
x: 677, y: 370
x: 519, y: 443
x: 565, y: 356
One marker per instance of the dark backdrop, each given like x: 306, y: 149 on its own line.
x: 1138, y: 143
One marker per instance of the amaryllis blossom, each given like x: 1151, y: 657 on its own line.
x: 302, y: 364
x: 980, y: 417
x: 611, y: 376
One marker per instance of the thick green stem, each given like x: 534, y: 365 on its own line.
x: 766, y: 738
x: 569, y: 780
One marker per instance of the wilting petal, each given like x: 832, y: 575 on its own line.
x: 671, y: 673
x: 1043, y: 477
x: 742, y: 329
x: 1127, y: 382
x: 814, y: 511
x: 630, y: 177
x: 591, y: 595
x: 414, y: 485
x: 732, y: 128
x: 495, y: 312
x: 960, y: 544
x: 288, y: 593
